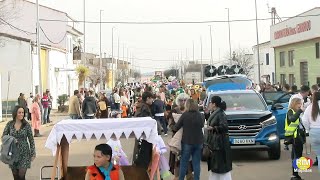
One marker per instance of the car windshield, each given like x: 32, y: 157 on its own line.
x: 271, y: 97
x: 243, y: 102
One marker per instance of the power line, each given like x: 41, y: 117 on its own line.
x: 14, y: 27
x: 174, y: 22
x: 52, y: 41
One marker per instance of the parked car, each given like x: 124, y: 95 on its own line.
x: 278, y: 103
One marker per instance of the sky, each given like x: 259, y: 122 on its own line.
x: 159, y: 46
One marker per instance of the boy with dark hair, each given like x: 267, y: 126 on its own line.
x: 103, y: 167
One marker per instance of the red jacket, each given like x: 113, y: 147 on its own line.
x: 95, y: 174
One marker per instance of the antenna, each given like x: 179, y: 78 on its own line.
x: 274, y: 15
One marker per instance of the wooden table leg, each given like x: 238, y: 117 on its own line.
x: 64, y: 155
x: 54, y: 169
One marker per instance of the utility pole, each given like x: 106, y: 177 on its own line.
x: 39, y: 48
x: 112, y: 62
x: 257, y: 32
x: 211, y: 59
x: 201, y: 59
x: 101, y: 80
x: 229, y: 37
x: 193, y: 51
x: 118, y: 57
x: 127, y: 67
x: 84, y: 38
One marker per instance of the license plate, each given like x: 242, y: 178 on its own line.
x: 244, y: 141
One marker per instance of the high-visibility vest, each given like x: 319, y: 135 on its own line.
x: 291, y: 129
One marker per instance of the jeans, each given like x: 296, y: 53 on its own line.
x: 315, y: 142
x: 162, y: 122
x: 45, y: 115
x: 187, y: 150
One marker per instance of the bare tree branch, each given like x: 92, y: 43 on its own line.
x: 243, y: 58
x: 94, y: 76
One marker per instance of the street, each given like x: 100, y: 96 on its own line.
x: 246, y: 165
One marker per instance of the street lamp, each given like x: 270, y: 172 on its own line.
x: 259, y: 76
x: 229, y: 35
x: 112, y: 62
x: 211, y: 45
x: 101, y: 80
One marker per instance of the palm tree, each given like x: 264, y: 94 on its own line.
x: 82, y: 72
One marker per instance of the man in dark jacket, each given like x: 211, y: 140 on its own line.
x: 143, y: 108
x: 158, y: 113
x: 89, y: 106
x: 142, y: 149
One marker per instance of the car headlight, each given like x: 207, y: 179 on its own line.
x: 269, y: 122
x: 272, y: 137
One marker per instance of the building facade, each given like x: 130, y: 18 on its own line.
x: 296, y: 48
x: 267, y: 63
x: 18, y: 52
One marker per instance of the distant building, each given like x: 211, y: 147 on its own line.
x: 296, y: 48
x: 267, y: 63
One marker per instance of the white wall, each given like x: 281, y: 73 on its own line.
x: 15, y: 57
x: 0, y: 102
x: 264, y: 68
x: 58, y: 81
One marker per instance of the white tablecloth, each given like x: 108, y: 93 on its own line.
x: 98, y: 127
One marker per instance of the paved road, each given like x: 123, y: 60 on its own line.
x: 246, y: 165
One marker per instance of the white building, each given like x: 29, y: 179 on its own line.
x: 267, y: 63
x: 18, y: 52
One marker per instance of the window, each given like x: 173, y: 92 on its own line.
x: 290, y: 58
x: 267, y: 59
x: 282, y: 59
x: 291, y: 79
x: 317, y: 51
x: 304, y: 73
x: 282, y: 79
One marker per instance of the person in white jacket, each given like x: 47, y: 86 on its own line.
x: 311, y: 121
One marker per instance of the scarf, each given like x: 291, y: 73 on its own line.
x: 213, y: 114
x: 106, y: 172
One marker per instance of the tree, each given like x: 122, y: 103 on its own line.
x: 244, y: 59
x: 82, y: 72
x: 94, y: 76
x: 171, y: 72
x: 136, y: 74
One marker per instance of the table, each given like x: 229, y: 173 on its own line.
x: 64, y: 131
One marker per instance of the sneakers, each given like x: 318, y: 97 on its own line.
x: 165, y: 134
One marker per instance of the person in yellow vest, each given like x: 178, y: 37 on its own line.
x: 295, y: 132
x: 103, y: 169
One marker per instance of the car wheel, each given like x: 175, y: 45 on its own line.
x: 274, y: 152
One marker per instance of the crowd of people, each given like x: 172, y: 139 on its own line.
x: 175, y: 110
